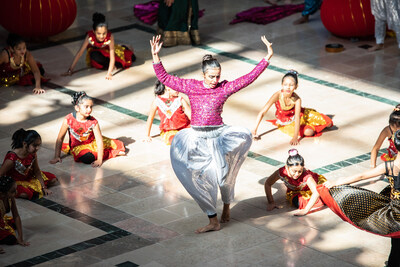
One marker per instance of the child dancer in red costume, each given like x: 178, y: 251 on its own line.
x: 8, y: 225
x: 387, y: 132
x: 301, y: 190
x: 291, y: 117
x: 173, y: 110
x: 17, y: 66
x: 85, y: 140
x: 22, y: 165
x: 102, y: 53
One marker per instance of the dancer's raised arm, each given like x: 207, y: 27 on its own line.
x: 269, y: 47
x: 155, y: 48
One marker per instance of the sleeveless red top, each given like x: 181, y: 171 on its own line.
x: 23, y: 168
x: 299, y: 183
x: 171, y: 114
x: 94, y: 43
x: 80, y: 133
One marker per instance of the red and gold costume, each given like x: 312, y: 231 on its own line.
x: 172, y: 117
x: 21, y: 74
x: 82, y: 140
x: 24, y: 176
x: 391, y: 151
x: 377, y: 213
x: 309, y: 118
x: 123, y: 55
x: 7, y: 224
x: 299, y: 188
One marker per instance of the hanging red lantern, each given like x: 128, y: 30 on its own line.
x: 38, y: 18
x: 348, y: 18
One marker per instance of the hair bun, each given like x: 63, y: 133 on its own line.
x: 98, y: 18
x: 292, y: 72
x: 293, y: 152
x: 77, y: 96
x: 208, y: 57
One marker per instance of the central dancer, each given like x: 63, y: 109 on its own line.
x: 209, y: 154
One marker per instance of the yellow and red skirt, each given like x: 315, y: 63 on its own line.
x: 124, y: 57
x: 7, y: 227
x: 310, y: 118
x: 111, y: 148
x: 304, y: 196
x: 33, y: 188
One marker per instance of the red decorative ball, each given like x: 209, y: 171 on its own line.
x: 348, y: 18
x: 38, y: 18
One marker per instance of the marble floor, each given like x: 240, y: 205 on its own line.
x: 134, y: 212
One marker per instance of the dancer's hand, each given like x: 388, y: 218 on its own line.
x: 294, y: 141
x: 68, y: 73
x: 168, y: 3
x: 109, y: 76
x: 55, y: 160
x: 97, y: 163
x: 255, y: 136
x: 271, y: 206
x: 329, y: 184
x: 46, y: 192
x: 148, y: 139
x: 269, y: 47
x: 300, y: 213
x: 155, y: 45
x: 38, y: 91
x: 22, y: 243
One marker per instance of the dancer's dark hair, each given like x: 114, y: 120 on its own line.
x: 21, y: 136
x: 291, y: 73
x: 6, y: 182
x: 396, y: 140
x: 394, y: 118
x: 79, y: 97
x: 209, y: 62
x: 13, y: 40
x: 159, y: 88
x: 294, y: 159
x: 99, y: 20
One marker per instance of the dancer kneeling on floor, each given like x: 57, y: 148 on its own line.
x: 301, y: 185
x: 86, y: 143
x: 209, y: 154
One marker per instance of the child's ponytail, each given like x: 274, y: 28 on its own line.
x: 78, y: 97
x: 159, y: 88
x: 21, y: 136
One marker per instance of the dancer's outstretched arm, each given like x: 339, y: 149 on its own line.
x: 155, y: 45
x: 379, y: 170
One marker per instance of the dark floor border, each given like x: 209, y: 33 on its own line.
x: 112, y: 231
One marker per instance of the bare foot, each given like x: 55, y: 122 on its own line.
x: 212, y: 226
x: 303, y: 19
x: 226, y: 214
x: 375, y: 47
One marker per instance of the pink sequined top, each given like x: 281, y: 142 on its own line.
x: 207, y: 103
